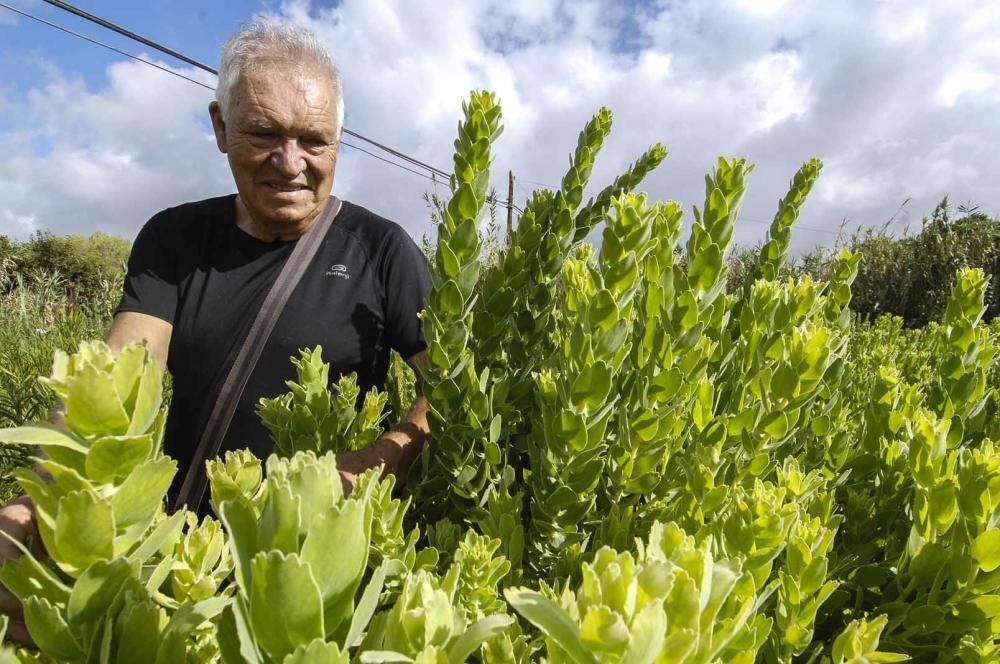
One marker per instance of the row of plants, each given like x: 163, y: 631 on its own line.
x: 630, y: 463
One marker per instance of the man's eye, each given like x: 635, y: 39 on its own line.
x: 262, y: 136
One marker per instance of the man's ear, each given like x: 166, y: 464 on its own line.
x: 218, y: 126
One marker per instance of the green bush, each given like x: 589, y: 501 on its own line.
x: 909, y: 277
x: 84, y: 264
x: 645, y: 467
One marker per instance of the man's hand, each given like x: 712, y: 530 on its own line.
x: 352, y: 464
x: 17, y: 519
x: 348, y: 480
x: 396, y: 449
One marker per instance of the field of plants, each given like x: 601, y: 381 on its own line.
x: 630, y: 464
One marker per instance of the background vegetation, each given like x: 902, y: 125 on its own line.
x: 55, y: 291
x: 910, y: 275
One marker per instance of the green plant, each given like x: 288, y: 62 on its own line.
x: 311, y: 417
x: 631, y: 462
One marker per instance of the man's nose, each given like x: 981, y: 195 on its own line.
x: 288, y: 158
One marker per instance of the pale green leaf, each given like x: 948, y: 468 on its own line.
x: 318, y: 652
x: 551, y: 620
x: 163, y: 531
x: 96, y: 589
x: 48, y: 628
x: 648, y: 632
x: 142, y: 492
x: 93, y: 406
x: 477, y: 634
x: 367, y: 605
x: 384, y: 657
x: 113, y: 457
x: 236, y: 641
x: 278, y: 527
x: 84, y: 530
x: 986, y: 550
x: 336, y: 550
x: 148, y: 399
x: 286, y: 610
x: 242, y: 529
x: 42, y: 436
x: 26, y: 577
x: 138, y: 632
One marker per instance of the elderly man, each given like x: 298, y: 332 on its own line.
x: 199, y: 272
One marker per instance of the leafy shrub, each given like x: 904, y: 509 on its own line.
x: 911, y: 277
x: 645, y: 466
x: 84, y: 265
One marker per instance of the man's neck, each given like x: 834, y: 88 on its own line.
x: 267, y: 232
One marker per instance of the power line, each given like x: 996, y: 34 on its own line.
x: 372, y: 154
x: 796, y: 226
x: 128, y: 33
x: 553, y: 188
x: 396, y: 153
x: 103, y: 45
x: 489, y: 199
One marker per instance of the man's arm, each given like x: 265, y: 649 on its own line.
x: 129, y: 326
x: 398, y: 447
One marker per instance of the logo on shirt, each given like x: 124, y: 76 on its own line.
x: 338, y: 271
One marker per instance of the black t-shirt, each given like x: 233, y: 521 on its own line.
x: 193, y: 267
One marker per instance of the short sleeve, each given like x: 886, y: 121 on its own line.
x: 151, y: 281
x: 406, y: 283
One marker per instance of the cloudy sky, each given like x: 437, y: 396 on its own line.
x: 901, y: 100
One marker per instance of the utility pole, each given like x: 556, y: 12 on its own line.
x: 510, y: 206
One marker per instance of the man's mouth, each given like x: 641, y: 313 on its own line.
x: 284, y: 187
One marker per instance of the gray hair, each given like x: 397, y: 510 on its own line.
x: 259, y: 42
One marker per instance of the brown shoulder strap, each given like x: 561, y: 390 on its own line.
x: 195, y: 482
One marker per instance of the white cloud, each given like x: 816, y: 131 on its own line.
x: 760, y: 7
x: 898, y: 98
x: 773, y: 90
x: 25, y: 225
x: 965, y: 81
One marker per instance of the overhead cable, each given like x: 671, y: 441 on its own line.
x: 103, y: 45
x: 128, y: 33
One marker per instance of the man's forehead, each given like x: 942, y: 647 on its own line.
x: 266, y: 119
x: 265, y: 96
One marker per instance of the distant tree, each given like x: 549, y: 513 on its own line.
x: 908, y: 276
x: 84, y: 264
x: 911, y: 276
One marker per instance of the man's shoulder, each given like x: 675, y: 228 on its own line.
x: 173, y: 229
x: 371, y: 230
x: 216, y: 207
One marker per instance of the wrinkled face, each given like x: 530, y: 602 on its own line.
x: 281, y: 136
